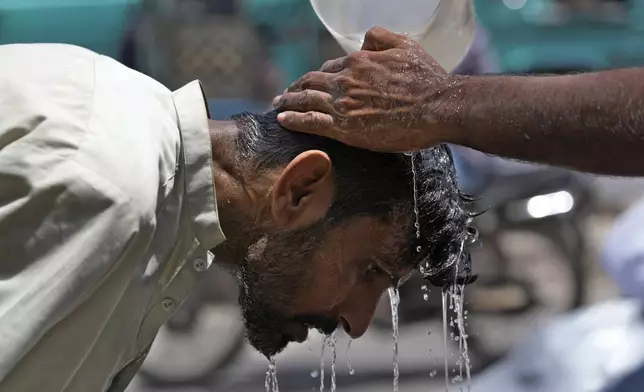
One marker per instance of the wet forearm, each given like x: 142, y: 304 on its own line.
x: 591, y: 122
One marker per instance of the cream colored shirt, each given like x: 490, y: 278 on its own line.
x: 107, y: 213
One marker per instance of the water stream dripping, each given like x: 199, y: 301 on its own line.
x: 324, y: 343
x: 457, y: 300
x: 275, y: 385
x: 394, y: 298
x: 267, y: 380
x: 415, y: 186
x: 444, y: 298
x: 270, y: 382
x: 351, y: 370
x: 460, y: 323
x: 333, y: 343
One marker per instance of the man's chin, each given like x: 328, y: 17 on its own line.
x: 268, y: 345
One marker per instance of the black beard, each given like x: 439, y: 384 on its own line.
x: 270, y: 277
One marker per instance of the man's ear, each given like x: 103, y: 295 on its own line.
x: 303, y: 192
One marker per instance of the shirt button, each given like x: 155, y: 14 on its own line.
x: 167, y: 304
x: 199, y: 265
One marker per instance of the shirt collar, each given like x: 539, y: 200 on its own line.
x: 201, y: 199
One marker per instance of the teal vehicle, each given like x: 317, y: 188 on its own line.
x: 99, y: 25
x: 559, y: 36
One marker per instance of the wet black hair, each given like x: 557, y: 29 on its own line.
x: 377, y: 184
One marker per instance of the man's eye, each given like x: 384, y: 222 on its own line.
x: 373, y: 271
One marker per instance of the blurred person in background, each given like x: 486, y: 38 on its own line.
x: 623, y: 260
x: 623, y: 252
x: 393, y: 96
x: 116, y: 192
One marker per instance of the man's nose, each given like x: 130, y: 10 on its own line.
x: 354, y: 326
x: 356, y: 317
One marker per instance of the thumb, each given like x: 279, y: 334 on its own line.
x: 379, y: 39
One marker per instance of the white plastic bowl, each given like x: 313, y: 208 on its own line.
x: 444, y: 28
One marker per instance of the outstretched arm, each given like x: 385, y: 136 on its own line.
x: 592, y: 122
x: 392, y: 96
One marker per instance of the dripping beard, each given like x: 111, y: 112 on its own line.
x: 276, y: 268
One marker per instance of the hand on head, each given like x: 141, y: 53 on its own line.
x: 320, y: 239
x: 387, y: 97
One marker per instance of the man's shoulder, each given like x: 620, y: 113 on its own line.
x: 46, y: 95
x: 68, y: 102
x: 30, y: 49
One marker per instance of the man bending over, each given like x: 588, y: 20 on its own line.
x: 116, y: 196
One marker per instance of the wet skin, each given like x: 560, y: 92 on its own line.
x: 295, y: 272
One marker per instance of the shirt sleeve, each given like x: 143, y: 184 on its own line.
x: 63, y: 229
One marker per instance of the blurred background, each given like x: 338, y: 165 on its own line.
x: 548, y: 300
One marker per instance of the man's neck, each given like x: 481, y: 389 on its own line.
x: 236, y: 204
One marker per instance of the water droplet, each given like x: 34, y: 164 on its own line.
x: 351, y: 370
x: 433, y: 373
x: 425, y: 297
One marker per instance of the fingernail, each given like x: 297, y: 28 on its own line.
x: 281, y: 117
x: 277, y: 100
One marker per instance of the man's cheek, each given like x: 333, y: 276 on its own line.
x: 323, y: 295
x: 328, y: 283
